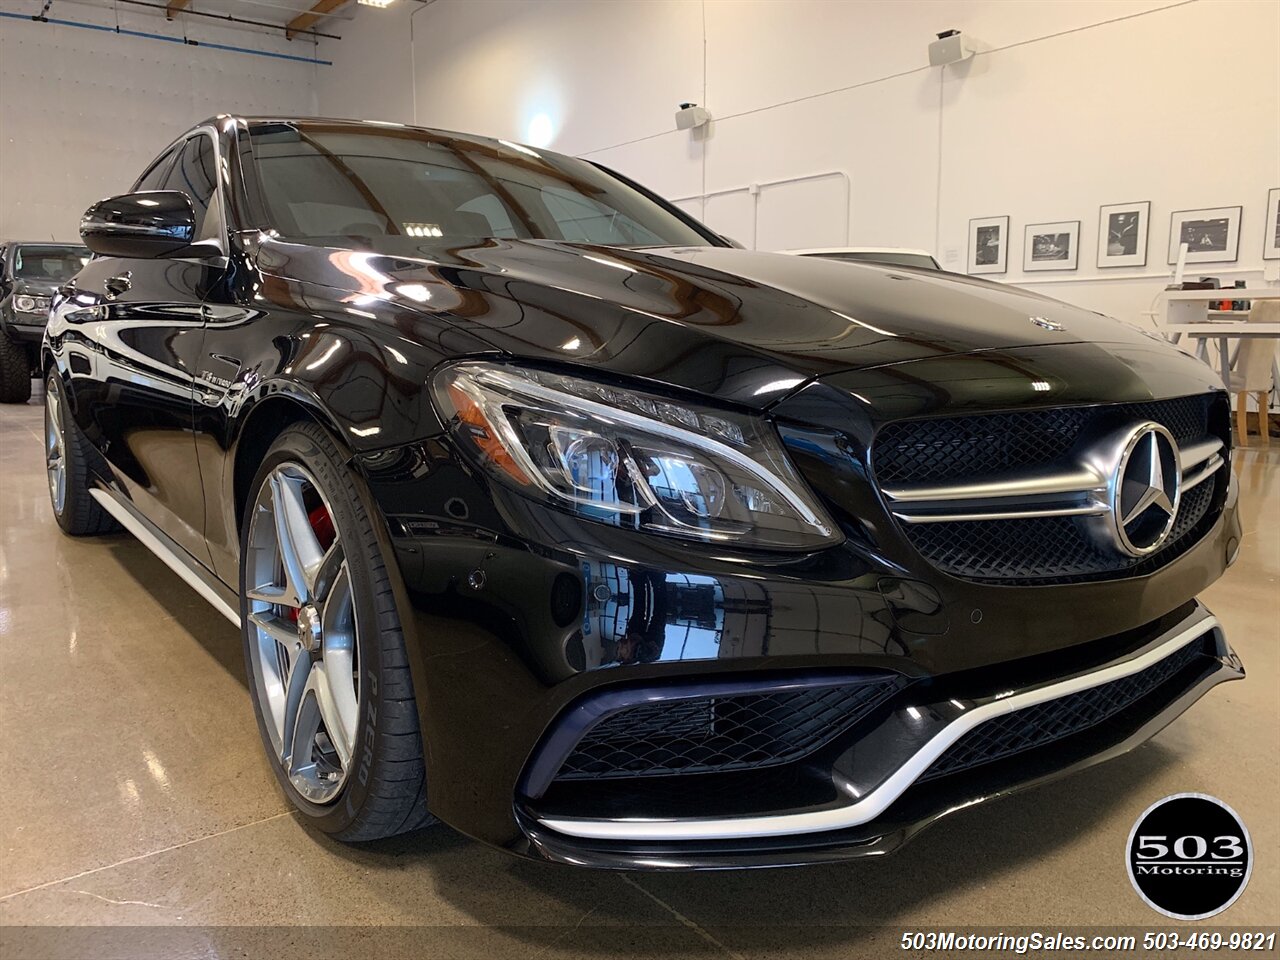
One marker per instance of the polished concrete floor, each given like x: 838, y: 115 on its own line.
x: 136, y: 795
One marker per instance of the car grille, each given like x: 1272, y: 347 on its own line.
x: 718, y: 734
x: 1039, y: 550
x: 1050, y: 549
x: 1046, y: 722
x: 957, y: 448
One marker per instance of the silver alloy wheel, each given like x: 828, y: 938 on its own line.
x: 55, y: 450
x: 303, y: 637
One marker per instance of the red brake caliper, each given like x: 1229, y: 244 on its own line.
x: 322, y: 525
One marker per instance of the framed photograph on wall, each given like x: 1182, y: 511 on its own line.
x: 988, y: 245
x: 1122, y: 234
x: 1271, y: 242
x: 1212, y: 235
x: 1051, y: 246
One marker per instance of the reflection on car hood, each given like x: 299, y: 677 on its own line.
x: 738, y: 324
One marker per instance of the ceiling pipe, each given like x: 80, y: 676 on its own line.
x: 121, y: 31
x: 228, y: 18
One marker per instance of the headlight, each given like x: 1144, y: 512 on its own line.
x: 632, y: 459
x: 25, y: 304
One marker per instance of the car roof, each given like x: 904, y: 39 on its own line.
x: 253, y: 122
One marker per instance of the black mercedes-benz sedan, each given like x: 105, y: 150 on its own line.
x: 547, y: 512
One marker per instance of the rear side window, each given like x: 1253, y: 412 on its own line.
x: 195, y: 174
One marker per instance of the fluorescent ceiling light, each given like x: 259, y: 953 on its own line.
x: 375, y: 3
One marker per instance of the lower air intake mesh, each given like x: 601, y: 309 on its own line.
x: 722, y: 733
x: 1046, y: 722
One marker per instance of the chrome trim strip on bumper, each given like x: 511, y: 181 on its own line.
x: 165, y: 552
x: 874, y: 803
x: 1076, y: 492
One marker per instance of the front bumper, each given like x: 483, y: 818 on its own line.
x: 496, y: 669
x: 888, y: 785
x: 24, y: 327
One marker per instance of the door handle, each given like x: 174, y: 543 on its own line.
x: 119, y: 284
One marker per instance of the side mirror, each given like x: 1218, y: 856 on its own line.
x: 156, y: 223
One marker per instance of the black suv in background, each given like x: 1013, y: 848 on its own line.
x: 29, y: 275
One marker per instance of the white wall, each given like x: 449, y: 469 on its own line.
x: 83, y: 111
x: 1127, y: 111
x: 1069, y: 105
x: 372, y: 73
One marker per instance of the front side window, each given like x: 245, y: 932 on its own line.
x: 195, y: 174
x: 153, y: 179
x: 48, y: 263
x: 341, y: 184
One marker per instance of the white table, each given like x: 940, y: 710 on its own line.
x: 1187, y: 313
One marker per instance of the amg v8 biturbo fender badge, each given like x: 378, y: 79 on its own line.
x: 1046, y: 323
x: 1145, y: 489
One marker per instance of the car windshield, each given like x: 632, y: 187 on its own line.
x: 890, y: 257
x: 342, y: 184
x: 57, y: 264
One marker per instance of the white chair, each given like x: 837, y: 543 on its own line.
x: 1253, y: 373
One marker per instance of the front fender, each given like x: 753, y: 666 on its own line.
x: 306, y: 352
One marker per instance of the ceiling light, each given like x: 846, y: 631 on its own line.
x: 541, y: 131
x: 375, y: 3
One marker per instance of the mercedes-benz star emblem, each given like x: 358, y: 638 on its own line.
x: 1146, y: 489
x: 1046, y: 323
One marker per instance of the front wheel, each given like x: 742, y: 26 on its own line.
x: 15, y: 371
x: 324, y: 647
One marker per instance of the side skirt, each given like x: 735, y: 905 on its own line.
x: 174, y: 557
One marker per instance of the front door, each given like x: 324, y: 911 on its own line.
x: 146, y: 332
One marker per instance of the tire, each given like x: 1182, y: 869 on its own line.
x: 15, y: 372
x: 67, y: 450
x: 324, y: 646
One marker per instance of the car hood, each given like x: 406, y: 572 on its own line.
x: 742, y: 325
x: 34, y: 287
